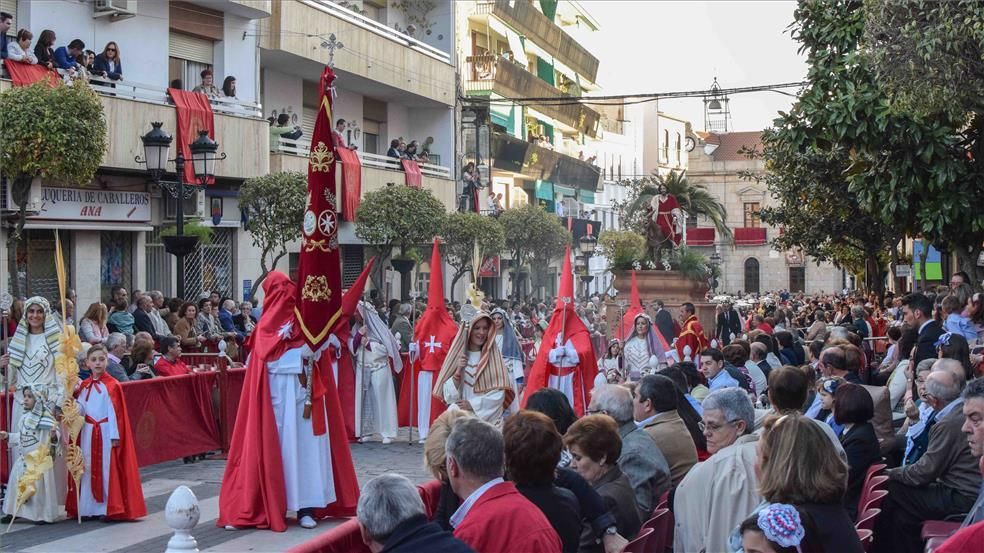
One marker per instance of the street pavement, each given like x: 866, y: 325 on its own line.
x: 151, y: 534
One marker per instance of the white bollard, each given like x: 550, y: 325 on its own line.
x: 182, y: 514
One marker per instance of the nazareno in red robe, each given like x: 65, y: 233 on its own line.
x: 126, y: 500
x: 253, y: 492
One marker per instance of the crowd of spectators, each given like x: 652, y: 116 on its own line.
x: 400, y: 149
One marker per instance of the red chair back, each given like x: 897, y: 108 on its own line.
x: 865, y: 537
x: 640, y: 544
x: 662, y: 527
x: 867, y: 520
x: 873, y: 471
x: 875, y: 499
x: 663, y: 501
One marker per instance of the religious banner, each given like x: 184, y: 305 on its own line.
x: 351, y: 182
x: 26, y: 74
x: 319, y: 275
x: 194, y: 114
x: 489, y: 267
x: 412, y: 170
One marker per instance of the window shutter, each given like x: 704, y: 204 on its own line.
x: 190, y: 48
x: 10, y: 6
x: 308, y: 115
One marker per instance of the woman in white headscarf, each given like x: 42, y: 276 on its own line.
x: 375, y: 350
x: 37, y: 429
x: 644, y: 352
x: 508, y: 344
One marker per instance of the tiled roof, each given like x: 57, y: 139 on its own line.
x: 730, y: 143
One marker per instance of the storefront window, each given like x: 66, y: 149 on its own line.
x: 115, y: 261
x: 209, y: 267
x: 35, y: 264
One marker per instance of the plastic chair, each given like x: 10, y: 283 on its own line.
x: 866, y: 539
x: 661, y: 526
x: 874, y: 471
x: 867, y: 520
x: 640, y: 544
x: 663, y: 501
x: 874, y: 500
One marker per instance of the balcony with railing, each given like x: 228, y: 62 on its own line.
x: 377, y: 171
x: 371, y: 50
x: 531, y: 23
x: 131, y: 106
x: 488, y: 73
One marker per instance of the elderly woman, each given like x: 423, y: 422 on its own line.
x: 435, y: 457
x: 207, y: 323
x: 595, y: 447
x: 719, y: 492
x: 817, y: 330
x: 532, y: 449
x: 186, y: 327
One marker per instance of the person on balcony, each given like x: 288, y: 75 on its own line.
x: 339, y: 136
x: 5, y: 21
x: 282, y: 130
x: 20, y: 49
x: 229, y: 87
x: 394, y: 149
x: 65, y: 57
x: 44, y: 49
x: 108, y: 63
x: 208, y: 87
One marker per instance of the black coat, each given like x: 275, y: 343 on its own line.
x: 561, y: 509
x: 417, y: 534
x: 862, y: 449
x: 728, y: 324
x: 926, y: 343
x: 664, y: 324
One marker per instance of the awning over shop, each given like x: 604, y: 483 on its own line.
x: 544, y: 190
x: 587, y: 196
x: 562, y: 191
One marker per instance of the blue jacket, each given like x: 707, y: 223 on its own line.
x: 417, y: 534
x: 101, y: 65
x: 225, y: 319
x: 3, y: 45
x: 64, y: 60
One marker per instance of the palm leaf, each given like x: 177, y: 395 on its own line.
x: 696, y: 199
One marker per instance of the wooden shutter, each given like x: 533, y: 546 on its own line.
x: 190, y: 48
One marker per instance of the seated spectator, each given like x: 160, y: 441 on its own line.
x: 641, y: 460
x: 882, y: 421
x: 120, y: 320
x: 207, y: 324
x: 954, y: 346
x: 493, y: 516
x: 208, y: 85
x: 226, y: 320
x: 20, y: 48
x: 108, y: 64
x: 282, y: 130
x: 44, y: 49
x: 143, y: 317
x: 137, y: 294
x: 917, y: 412
x: 6, y: 20
x: 186, y: 328
x: 757, y: 354
x: 394, y: 149
x: 826, y: 389
x: 973, y: 408
x: 553, y: 403
x: 796, y: 468
x: 735, y: 359
x: 686, y: 409
x: 87, y: 59
x: 853, y: 409
x: 595, y: 446
x: 170, y: 363
x: 532, y: 447
x: 435, y: 460
x: 817, y: 330
x: 945, y: 481
x: 718, y: 493
x: 712, y: 367
x: 65, y: 57
x: 392, y: 518
x: 157, y: 313
x: 173, y: 307
x: 142, y: 359
x: 92, y: 327
x: 244, y: 320
x: 229, y: 87
x: 779, y: 528
x: 654, y: 406
x: 115, y: 352
x: 697, y: 390
x: 789, y: 352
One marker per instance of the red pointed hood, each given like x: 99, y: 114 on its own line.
x: 635, y: 309
x: 435, y: 290
x: 350, y: 300
x: 566, y: 289
x: 435, y: 327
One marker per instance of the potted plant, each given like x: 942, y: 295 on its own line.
x: 180, y: 246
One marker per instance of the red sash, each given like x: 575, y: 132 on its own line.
x: 562, y: 371
x: 96, y: 451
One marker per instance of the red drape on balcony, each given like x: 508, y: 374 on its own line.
x: 26, y: 74
x: 412, y: 170
x: 194, y: 114
x: 749, y: 236
x: 703, y: 236
x: 351, y: 182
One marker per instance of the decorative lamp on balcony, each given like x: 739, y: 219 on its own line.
x: 587, y: 244
x: 468, y: 116
x: 157, y: 147
x: 203, y: 156
x: 580, y: 264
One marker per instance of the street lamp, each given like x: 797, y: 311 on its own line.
x: 157, y: 147
x: 716, y: 262
x: 586, y: 245
x: 474, y: 119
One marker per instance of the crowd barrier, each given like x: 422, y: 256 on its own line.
x: 173, y: 417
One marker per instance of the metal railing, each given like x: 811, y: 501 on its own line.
x: 132, y: 90
x: 373, y: 26
x: 480, y: 71
x: 302, y: 146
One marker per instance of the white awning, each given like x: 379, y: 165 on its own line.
x: 515, y: 43
x: 79, y: 225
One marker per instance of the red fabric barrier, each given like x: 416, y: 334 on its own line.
x: 172, y: 417
x: 750, y: 236
x: 25, y: 74
x: 194, y: 113
x: 700, y: 236
x: 412, y: 170
x: 347, y: 538
x: 351, y: 182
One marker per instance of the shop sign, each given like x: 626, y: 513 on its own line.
x: 81, y: 204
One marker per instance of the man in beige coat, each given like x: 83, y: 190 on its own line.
x: 718, y: 493
x: 654, y: 407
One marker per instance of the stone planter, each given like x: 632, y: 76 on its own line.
x: 671, y: 287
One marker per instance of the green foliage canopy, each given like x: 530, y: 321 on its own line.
x: 461, y: 231
x: 398, y: 216
x: 275, y: 204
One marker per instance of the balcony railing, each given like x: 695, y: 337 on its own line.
x: 509, y: 79
x: 131, y: 90
x: 302, y: 146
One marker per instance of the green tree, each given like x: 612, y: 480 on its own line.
x: 461, y: 231
x: 398, y: 216
x: 533, y: 237
x: 275, y: 205
x: 56, y: 134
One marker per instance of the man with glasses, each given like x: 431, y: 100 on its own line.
x: 718, y: 493
x: 959, y: 278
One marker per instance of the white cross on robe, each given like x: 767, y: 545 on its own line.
x: 432, y: 344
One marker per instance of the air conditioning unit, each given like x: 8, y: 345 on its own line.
x: 115, y: 10
x: 198, y: 212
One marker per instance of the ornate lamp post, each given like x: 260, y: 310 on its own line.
x: 157, y: 146
x: 586, y: 245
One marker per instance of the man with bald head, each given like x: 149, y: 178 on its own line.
x: 943, y: 482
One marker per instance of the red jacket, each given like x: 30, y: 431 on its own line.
x: 504, y: 521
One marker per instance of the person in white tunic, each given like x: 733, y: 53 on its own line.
x: 306, y: 457
x: 375, y: 349
x: 644, y: 353
x: 508, y: 345
x: 100, y: 434
x: 473, y: 376
x: 37, y: 429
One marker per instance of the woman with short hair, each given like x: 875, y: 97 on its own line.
x: 186, y: 327
x: 854, y: 409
